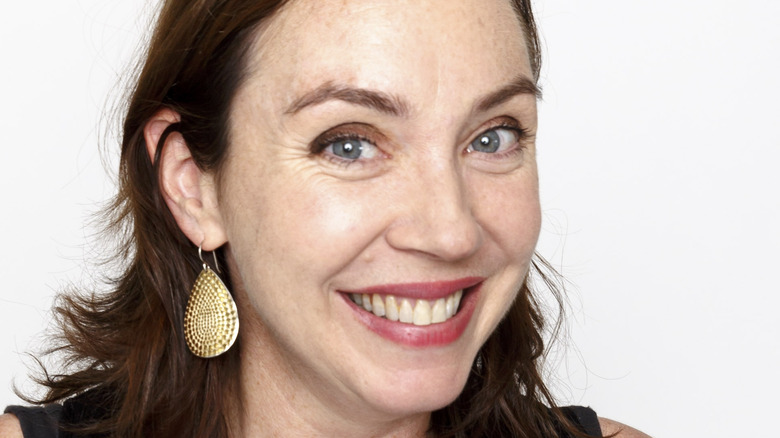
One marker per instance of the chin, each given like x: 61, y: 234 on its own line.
x: 412, y: 392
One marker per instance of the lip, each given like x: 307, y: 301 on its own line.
x: 432, y: 335
x: 420, y: 291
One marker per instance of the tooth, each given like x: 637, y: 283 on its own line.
x: 367, y: 302
x: 450, y: 306
x: 422, y: 313
x: 405, y: 312
x: 391, y: 308
x: 458, y: 296
x: 378, y: 305
x: 439, y: 313
x: 357, y: 298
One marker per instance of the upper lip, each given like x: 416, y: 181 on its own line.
x: 432, y: 290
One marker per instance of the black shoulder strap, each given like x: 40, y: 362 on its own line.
x: 585, y: 419
x: 37, y: 421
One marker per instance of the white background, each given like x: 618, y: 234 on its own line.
x: 659, y: 155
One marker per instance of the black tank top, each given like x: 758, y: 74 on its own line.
x: 42, y: 422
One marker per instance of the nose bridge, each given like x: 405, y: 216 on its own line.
x: 438, y: 218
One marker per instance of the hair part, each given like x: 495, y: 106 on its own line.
x: 127, y: 345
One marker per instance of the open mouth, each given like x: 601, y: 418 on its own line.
x: 408, y: 310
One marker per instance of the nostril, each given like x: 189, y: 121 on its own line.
x: 461, y: 241
x: 446, y: 240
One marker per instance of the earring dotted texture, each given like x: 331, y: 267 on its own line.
x: 211, y: 318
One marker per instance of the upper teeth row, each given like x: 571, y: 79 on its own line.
x: 417, y: 312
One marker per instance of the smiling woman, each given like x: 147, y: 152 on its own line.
x: 366, y: 178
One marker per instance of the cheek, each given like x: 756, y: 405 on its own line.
x: 302, y: 227
x: 509, y: 212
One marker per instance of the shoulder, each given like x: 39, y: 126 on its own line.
x: 10, y: 427
x: 610, y: 427
x: 30, y: 421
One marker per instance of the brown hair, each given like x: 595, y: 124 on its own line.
x: 127, y: 345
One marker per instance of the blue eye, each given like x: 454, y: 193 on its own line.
x: 352, y: 149
x: 494, y: 140
x: 349, y: 149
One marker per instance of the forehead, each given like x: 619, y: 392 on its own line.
x: 420, y: 48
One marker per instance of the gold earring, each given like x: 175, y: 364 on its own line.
x: 211, y: 319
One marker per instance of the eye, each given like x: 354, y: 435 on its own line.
x: 351, y: 149
x: 350, y: 143
x: 495, y: 140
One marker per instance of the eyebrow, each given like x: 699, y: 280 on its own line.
x: 373, y: 99
x: 396, y: 106
x: 519, y: 86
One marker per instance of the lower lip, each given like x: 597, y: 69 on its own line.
x: 432, y: 335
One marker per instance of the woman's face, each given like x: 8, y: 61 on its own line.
x: 384, y: 149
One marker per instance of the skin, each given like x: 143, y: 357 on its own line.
x: 300, y: 225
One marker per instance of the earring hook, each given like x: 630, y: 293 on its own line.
x: 214, y: 253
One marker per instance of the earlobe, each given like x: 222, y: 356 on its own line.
x: 189, y: 192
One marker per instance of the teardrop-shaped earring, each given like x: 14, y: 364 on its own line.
x: 211, y: 318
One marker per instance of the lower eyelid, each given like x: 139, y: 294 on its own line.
x: 341, y: 162
x: 513, y: 150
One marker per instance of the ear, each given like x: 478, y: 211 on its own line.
x: 190, y: 193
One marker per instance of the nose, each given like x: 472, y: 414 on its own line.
x: 436, y: 216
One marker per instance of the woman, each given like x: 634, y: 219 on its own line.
x: 361, y: 176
